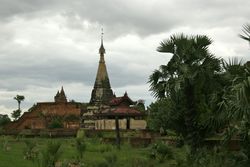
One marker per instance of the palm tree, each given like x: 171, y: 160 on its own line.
x: 190, y: 74
x: 19, y: 99
x: 246, y: 32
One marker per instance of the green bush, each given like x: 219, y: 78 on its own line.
x: 161, y: 152
x: 56, y: 123
x: 50, y: 155
x: 212, y: 158
x: 30, y: 151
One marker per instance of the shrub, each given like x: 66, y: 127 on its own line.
x: 50, y: 155
x: 161, y: 151
x: 30, y: 152
x: 56, y: 123
x: 211, y: 158
x: 80, y: 147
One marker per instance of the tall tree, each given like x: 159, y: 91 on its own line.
x: 191, y: 75
x: 19, y: 99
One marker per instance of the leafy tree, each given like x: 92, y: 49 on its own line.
x: 16, y: 114
x: 191, y: 80
x: 239, y: 103
x: 19, y: 99
x: 4, y: 119
x: 164, y: 115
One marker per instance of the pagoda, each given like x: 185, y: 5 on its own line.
x: 102, y: 92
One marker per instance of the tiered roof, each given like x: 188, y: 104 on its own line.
x: 121, y: 106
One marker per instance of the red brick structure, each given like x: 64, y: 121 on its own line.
x: 43, y: 115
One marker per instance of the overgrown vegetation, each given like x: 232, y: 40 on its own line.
x: 198, y: 94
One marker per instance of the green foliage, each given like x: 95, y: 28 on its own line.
x: 80, y: 147
x: 102, y: 164
x: 19, y: 99
x: 161, y: 152
x: 187, y: 85
x: 32, y: 108
x: 50, y: 155
x: 141, y: 162
x: 111, y: 158
x: 163, y: 115
x: 4, y: 119
x: 105, y: 148
x: 30, y: 151
x: 211, y: 158
x: 71, y: 117
x: 16, y: 114
x: 56, y: 123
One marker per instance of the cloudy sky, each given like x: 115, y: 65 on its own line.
x: 45, y: 44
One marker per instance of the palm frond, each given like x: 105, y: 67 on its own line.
x: 246, y: 32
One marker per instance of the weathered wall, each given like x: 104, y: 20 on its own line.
x: 42, y: 112
x: 110, y: 124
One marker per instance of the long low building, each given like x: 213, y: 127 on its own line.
x: 44, y: 115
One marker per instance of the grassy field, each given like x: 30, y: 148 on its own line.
x: 12, y: 153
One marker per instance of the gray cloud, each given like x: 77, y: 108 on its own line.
x: 139, y: 17
x: 45, y: 44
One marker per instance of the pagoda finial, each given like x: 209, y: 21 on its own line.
x: 62, y: 89
x: 62, y: 93
x: 102, y: 50
x: 102, y: 36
